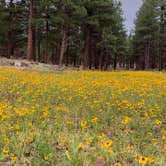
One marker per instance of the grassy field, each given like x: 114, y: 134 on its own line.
x: 82, y: 118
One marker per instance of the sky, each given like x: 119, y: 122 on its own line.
x: 130, y: 8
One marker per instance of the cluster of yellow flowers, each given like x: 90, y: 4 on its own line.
x: 77, y: 117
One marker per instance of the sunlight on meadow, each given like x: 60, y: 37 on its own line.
x: 82, y: 118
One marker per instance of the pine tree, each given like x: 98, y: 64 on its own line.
x: 162, y: 34
x: 148, y: 41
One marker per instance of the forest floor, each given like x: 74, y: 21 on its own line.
x: 82, y: 118
x: 25, y: 64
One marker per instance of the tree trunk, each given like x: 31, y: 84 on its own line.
x: 107, y: 61
x: 34, y: 29
x: 115, y: 62
x: 162, y: 31
x: 96, y: 59
x: 46, y: 57
x: 10, y: 44
x: 30, y: 33
x: 10, y: 32
x: 101, y: 60
x: 86, y: 50
x: 63, y: 48
x: 161, y: 62
x: 34, y: 43
x: 38, y: 45
x: 147, y: 56
x: 57, y: 54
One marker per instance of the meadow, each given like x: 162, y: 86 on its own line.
x: 82, y: 118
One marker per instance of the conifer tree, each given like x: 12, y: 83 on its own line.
x: 149, y: 41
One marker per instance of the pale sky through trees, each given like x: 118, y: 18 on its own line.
x: 130, y: 8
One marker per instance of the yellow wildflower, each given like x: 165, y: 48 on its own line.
x: 101, y: 136
x: 164, y: 137
x: 68, y: 122
x: 130, y: 147
x: 100, y: 110
x: 110, y: 151
x: 84, y: 124
x: 143, y: 160
x: 80, y: 147
x: 46, y: 158
x: 158, y: 122
x: 150, y: 160
x: 94, y: 120
x: 107, y: 143
x: 126, y: 120
x: 118, y: 164
x: 13, y: 158
x: 5, y: 151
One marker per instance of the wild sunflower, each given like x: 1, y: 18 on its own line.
x: 108, y: 143
x: 94, y: 120
x: 5, y: 151
x: 158, y: 122
x: 13, y: 158
x: 101, y: 136
x: 84, y: 124
x: 126, y: 120
x: 143, y: 160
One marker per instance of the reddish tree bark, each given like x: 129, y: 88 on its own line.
x: 63, y: 48
x: 30, y: 33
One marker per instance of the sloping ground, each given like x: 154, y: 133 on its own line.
x: 25, y: 64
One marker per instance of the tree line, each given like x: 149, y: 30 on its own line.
x: 87, y: 33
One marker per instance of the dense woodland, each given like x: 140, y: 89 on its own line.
x: 87, y: 33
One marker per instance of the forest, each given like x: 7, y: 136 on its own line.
x: 87, y: 33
